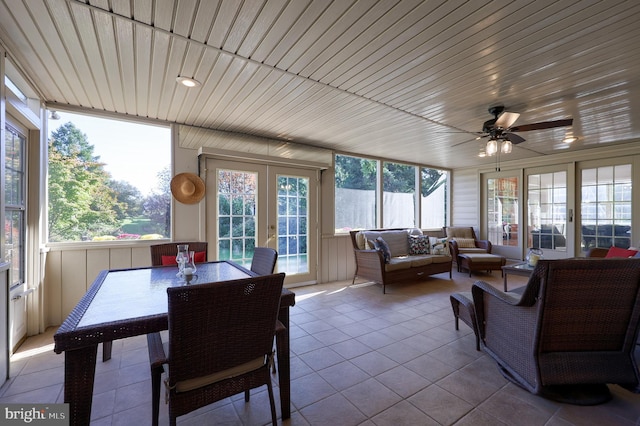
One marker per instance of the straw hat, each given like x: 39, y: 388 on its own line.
x: 188, y: 188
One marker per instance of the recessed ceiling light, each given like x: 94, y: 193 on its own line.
x: 187, y: 81
x: 569, y: 139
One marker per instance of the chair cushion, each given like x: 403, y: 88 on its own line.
x: 461, y: 232
x: 418, y: 244
x: 419, y: 260
x: 398, y: 263
x: 465, y: 242
x: 198, y: 382
x: 198, y: 257
x: 620, y: 252
x: 471, y: 250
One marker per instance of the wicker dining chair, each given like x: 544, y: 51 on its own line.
x: 264, y: 260
x: 169, y: 251
x: 220, y: 343
x: 571, y: 331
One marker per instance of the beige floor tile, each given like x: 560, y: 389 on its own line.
x: 358, y: 357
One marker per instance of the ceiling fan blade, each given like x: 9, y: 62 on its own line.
x: 506, y: 119
x: 469, y: 140
x: 514, y: 139
x: 542, y: 125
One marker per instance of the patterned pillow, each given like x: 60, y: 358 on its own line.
x: 466, y: 242
x: 439, y: 245
x: 381, y: 245
x: 418, y: 244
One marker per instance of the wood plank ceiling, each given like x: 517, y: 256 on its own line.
x: 407, y: 80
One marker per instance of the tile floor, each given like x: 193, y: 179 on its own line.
x: 358, y: 358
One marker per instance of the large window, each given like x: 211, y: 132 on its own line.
x: 356, y: 195
x: 108, y: 179
x: 399, y: 195
x: 404, y: 188
x: 606, y: 207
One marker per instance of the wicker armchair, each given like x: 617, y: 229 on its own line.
x: 569, y: 332
x: 264, y: 260
x: 220, y: 343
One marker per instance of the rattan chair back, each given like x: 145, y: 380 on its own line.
x: 264, y: 260
x: 216, y: 328
x: 171, y: 249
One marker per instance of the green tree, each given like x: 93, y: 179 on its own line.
x: 129, y: 199
x: 157, y: 205
x: 361, y: 173
x: 80, y: 199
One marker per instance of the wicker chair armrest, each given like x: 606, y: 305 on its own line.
x: 481, y: 287
x: 455, y: 250
x: 369, y: 254
x: 484, y: 244
x: 157, y: 357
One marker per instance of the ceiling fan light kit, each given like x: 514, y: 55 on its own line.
x: 501, y: 128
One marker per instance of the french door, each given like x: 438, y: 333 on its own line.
x: 264, y: 205
x: 549, y: 211
x: 502, y: 213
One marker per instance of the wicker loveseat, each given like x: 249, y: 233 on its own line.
x: 402, y: 266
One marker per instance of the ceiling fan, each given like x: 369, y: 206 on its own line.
x: 501, y: 126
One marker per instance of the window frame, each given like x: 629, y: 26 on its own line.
x: 380, y: 193
x: 70, y: 244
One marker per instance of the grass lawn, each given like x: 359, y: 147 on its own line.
x: 139, y: 226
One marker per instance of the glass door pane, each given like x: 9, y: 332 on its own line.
x: 292, y: 222
x: 547, y: 211
x: 293, y: 233
x: 502, y: 213
x: 237, y: 206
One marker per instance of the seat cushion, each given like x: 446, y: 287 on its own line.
x: 420, y: 260
x: 483, y: 257
x: 398, y: 263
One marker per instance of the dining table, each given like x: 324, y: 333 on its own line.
x: 123, y: 303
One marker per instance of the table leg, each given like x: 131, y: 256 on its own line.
x: 106, y: 350
x: 284, y: 364
x: 504, y: 279
x: 79, y: 375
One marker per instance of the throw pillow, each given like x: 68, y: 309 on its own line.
x: 418, y: 244
x: 198, y: 257
x: 620, y: 252
x: 439, y: 245
x: 382, y: 246
x: 466, y: 242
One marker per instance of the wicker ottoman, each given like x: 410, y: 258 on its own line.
x: 480, y: 262
x: 462, y: 304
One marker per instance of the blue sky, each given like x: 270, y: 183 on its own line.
x: 132, y: 152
